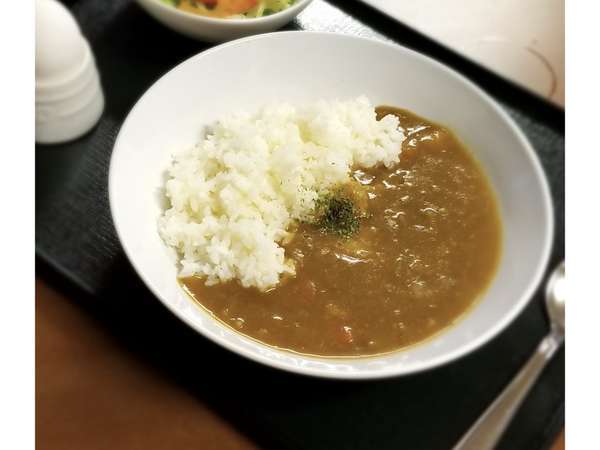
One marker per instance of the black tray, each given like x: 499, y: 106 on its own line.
x: 76, y: 242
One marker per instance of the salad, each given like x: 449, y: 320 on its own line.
x: 231, y: 8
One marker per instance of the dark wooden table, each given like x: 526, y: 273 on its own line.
x: 91, y: 394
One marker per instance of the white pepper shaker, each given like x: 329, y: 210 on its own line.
x: 68, y: 95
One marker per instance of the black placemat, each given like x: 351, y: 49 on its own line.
x: 75, y: 238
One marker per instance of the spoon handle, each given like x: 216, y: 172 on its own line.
x: 486, y: 432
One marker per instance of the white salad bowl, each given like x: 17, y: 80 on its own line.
x: 211, y: 29
x: 299, y: 67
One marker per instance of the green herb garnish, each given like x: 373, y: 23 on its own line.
x: 336, y: 213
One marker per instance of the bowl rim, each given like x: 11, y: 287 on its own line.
x: 224, y: 20
x: 397, y: 370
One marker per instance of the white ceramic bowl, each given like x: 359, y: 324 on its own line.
x: 219, y: 30
x: 300, y: 67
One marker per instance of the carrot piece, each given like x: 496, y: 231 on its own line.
x: 237, y: 6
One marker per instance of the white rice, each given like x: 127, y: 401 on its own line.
x: 235, y: 194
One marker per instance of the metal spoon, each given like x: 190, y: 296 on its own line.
x: 486, y: 432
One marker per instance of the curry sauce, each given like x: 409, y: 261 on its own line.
x: 426, y: 249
